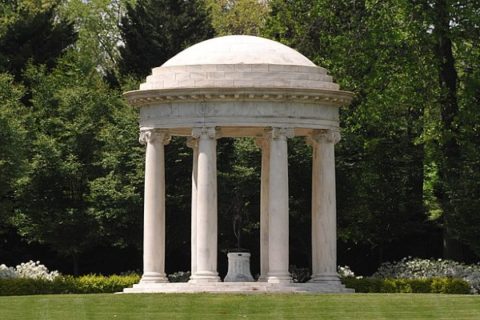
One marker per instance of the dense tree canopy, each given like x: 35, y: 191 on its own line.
x: 153, y: 31
x: 71, y: 168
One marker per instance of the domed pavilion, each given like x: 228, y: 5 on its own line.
x: 240, y: 86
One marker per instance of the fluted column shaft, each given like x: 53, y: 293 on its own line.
x: 278, y: 235
x: 264, y: 144
x: 154, y: 207
x: 193, y: 143
x: 324, y: 220
x: 206, y: 207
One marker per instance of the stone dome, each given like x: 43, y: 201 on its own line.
x: 239, y: 62
x: 240, y: 85
x: 239, y: 50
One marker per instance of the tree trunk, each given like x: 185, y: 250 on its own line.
x: 449, y: 146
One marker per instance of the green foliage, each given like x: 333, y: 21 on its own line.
x: 67, y: 284
x: 71, y: 169
x: 377, y: 52
x: 72, y: 113
x: 246, y: 17
x: 97, y: 22
x: 430, y: 285
x: 35, y: 36
x: 153, y: 31
x: 12, y: 144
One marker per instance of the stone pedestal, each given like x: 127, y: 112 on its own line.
x: 238, y: 267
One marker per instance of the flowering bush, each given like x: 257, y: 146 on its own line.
x: 345, y: 272
x: 414, y: 268
x: 7, y: 272
x: 179, y: 276
x: 30, y: 270
x: 299, y: 275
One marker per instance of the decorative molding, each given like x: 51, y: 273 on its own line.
x: 323, y: 136
x: 263, y: 140
x: 140, y: 98
x: 208, y: 132
x: 154, y: 135
x: 282, y: 133
x: 192, y: 142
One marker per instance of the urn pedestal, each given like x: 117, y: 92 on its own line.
x: 238, y: 267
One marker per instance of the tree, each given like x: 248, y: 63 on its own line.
x: 455, y: 30
x: 376, y: 52
x: 238, y: 16
x: 98, y: 25
x: 69, y: 109
x: 35, y: 36
x: 12, y: 146
x: 153, y: 31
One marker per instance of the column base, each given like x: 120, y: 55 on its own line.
x: 328, y: 278
x: 154, y: 277
x: 204, y: 276
x: 262, y: 278
x: 279, y: 277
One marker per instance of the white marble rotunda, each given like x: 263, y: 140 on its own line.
x: 240, y: 86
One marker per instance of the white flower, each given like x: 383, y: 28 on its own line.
x: 414, y: 268
x: 31, y: 269
x: 345, y: 271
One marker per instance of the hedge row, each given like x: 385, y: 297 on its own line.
x: 431, y: 285
x: 102, y: 284
x: 66, y: 284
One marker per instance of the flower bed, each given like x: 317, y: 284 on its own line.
x: 414, y: 268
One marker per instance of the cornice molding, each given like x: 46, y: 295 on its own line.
x: 140, y: 98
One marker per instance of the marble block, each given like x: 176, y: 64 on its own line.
x: 238, y: 267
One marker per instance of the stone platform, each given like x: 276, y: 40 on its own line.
x: 237, y: 287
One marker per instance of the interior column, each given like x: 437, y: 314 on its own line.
x: 278, y: 241
x: 324, y: 223
x: 206, y: 206
x: 154, y: 208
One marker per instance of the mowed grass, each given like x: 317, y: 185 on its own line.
x: 229, y: 306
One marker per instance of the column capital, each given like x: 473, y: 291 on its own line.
x: 323, y: 136
x: 192, y: 142
x: 262, y: 140
x: 206, y: 132
x: 154, y: 135
x: 280, y: 133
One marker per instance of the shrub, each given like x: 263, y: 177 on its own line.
x: 430, y: 285
x: 345, y: 272
x: 179, y: 276
x: 67, y: 284
x: 30, y: 269
x: 7, y: 272
x: 299, y: 275
x: 414, y: 268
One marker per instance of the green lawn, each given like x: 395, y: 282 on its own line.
x: 258, y: 306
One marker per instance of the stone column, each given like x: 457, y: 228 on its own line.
x: 324, y: 223
x: 154, y: 207
x: 193, y: 143
x: 278, y: 207
x: 206, y: 207
x: 264, y: 144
